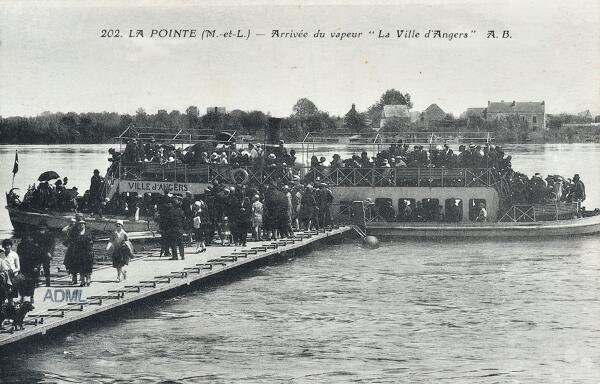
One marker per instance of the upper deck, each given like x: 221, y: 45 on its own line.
x: 204, y: 172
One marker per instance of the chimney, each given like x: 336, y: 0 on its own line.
x: 353, y: 107
x: 488, y: 103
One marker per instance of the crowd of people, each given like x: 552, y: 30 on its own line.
x: 51, y: 196
x: 537, y: 190
x: 228, y: 215
x: 223, y: 153
x: 436, y: 156
x: 20, y: 269
x: 426, y: 210
x: 48, y: 196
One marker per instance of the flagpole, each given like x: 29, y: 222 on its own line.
x: 15, y: 168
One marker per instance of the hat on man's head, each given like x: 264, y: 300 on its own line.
x: 272, y: 156
x: 281, y: 142
x: 96, y: 171
x: 119, y: 222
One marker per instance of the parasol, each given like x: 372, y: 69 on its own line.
x: 48, y: 175
x: 225, y: 137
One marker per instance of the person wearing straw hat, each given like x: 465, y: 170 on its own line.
x: 120, y: 249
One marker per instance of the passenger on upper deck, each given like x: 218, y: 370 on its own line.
x: 280, y: 151
x: 336, y: 162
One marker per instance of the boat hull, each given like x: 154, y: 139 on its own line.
x: 573, y: 227
x: 24, y: 221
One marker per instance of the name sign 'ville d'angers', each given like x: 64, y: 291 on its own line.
x: 142, y: 187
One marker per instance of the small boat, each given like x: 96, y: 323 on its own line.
x: 23, y: 221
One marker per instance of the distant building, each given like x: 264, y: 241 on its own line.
x: 394, y: 114
x: 534, y: 113
x: 415, y: 116
x: 586, y: 115
x: 433, y: 114
x: 219, y: 110
x: 352, y: 120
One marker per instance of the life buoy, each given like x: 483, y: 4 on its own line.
x: 239, y: 176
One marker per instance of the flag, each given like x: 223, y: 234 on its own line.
x: 16, y: 166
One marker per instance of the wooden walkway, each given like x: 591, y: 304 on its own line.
x: 62, y: 304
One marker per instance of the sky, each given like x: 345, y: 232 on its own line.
x: 52, y: 57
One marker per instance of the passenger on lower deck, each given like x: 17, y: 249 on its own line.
x: 405, y: 211
x: 482, y: 215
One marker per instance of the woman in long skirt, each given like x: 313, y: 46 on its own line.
x: 121, y: 250
x: 81, y: 252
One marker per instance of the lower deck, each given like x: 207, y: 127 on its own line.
x: 572, y: 227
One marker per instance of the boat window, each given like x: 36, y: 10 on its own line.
x: 406, y: 209
x: 345, y: 209
x: 385, y: 209
x: 431, y: 209
x: 453, y: 210
x: 474, y: 208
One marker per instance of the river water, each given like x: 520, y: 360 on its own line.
x: 473, y: 311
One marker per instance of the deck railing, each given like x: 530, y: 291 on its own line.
x: 347, y: 177
x: 540, y: 212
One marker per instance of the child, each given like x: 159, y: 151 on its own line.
x: 257, y: 216
x: 224, y: 231
x: 199, y: 227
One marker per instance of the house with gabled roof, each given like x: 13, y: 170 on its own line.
x: 394, y: 114
x: 433, y: 114
x: 532, y: 112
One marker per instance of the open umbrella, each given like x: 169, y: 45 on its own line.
x: 48, y: 175
x: 225, y: 137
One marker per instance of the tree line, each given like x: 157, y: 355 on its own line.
x: 71, y: 127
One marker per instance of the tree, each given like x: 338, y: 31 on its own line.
x: 255, y: 121
x: 394, y: 124
x: 193, y: 117
x: 162, y: 118
x: 392, y: 97
x: 475, y: 123
x: 304, y: 109
x: 213, y: 120
x: 233, y: 120
x: 141, y: 118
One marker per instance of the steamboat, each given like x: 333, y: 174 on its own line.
x: 441, y: 201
